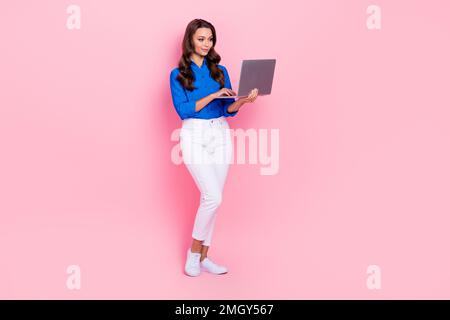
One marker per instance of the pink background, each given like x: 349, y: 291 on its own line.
x: 87, y: 178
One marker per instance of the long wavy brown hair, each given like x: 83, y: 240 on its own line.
x: 186, y: 76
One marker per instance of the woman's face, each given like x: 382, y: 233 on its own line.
x: 203, y: 41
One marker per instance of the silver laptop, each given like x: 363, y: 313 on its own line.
x: 255, y: 74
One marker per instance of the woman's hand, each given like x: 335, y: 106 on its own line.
x: 224, y: 92
x: 240, y: 102
x: 250, y: 98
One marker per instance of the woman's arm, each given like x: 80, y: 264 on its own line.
x: 183, y: 106
x: 235, y: 106
x: 227, y: 103
x: 200, y: 104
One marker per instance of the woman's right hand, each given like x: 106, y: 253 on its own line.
x: 224, y: 92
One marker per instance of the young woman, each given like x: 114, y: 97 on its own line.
x: 205, y: 138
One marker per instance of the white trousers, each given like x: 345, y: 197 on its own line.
x: 206, y: 149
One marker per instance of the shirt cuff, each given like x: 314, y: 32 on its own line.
x: 187, y: 109
x: 225, y: 110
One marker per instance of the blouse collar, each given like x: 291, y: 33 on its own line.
x: 203, y: 64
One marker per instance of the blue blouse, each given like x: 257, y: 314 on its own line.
x: 184, y: 100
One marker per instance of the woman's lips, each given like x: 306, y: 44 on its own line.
x: 206, y: 50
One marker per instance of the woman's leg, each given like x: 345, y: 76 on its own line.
x: 210, y: 199
x: 204, y: 174
x: 222, y: 159
x: 197, y: 246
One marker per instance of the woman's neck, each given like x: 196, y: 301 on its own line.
x: 197, y: 59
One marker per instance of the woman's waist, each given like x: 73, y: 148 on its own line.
x: 205, y: 129
x: 219, y: 122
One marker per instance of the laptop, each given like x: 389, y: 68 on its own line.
x: 255, y: 74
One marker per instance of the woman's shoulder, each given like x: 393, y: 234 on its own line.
x: 224, y: 70
x: 174, y: 72
x: 221, y: 66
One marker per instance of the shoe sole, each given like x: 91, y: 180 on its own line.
x: 206, y: 270
x: 192, y: 275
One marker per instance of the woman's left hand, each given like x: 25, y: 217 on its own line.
x: 251, y: 97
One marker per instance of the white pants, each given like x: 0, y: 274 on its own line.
x: 206, y: 149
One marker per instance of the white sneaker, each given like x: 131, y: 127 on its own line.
x: 209, y: 266
x: 192, y: 267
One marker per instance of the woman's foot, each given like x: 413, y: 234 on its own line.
x: 211, y: 267
x: 192, y: 266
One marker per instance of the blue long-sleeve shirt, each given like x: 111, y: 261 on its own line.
x: 184, y: 100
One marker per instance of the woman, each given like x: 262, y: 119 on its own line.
x: 205, y: 138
